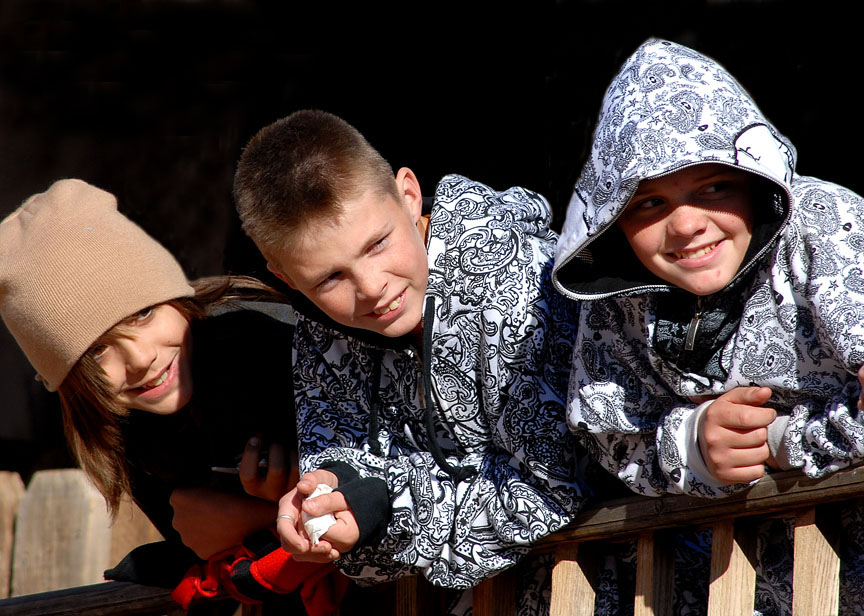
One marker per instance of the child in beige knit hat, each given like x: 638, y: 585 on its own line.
x: 107, y: 318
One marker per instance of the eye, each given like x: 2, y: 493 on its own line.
x: 379, y: 245
x: 718, y: 187
x: 328, y: 282
x: 143, y: 315
x: 97, y: 351
x: 646, y: 204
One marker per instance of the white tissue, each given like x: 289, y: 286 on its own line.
x: 317, y: 526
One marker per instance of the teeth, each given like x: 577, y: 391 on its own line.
x: 695, y: 253
x: 393, y: 306
x: 156, y: 382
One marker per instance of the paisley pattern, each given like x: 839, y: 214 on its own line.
x: 798, y: 300
x: 500, y: 347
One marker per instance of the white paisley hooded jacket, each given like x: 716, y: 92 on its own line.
x: 457, y: 457
x: 792, y: 319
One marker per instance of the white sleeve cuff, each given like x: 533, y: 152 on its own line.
x: 695, y: 463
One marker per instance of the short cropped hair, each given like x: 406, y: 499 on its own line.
x: 300, y: 168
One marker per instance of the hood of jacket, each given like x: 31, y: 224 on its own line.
x: 668, y: 108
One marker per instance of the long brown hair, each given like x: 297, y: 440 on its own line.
x: 91, y: 415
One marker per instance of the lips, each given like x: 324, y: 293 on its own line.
x: 391, y: 306
x: 695, y: 254
x: 154, y: 388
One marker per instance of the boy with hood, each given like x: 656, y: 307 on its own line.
x: 723, y: 325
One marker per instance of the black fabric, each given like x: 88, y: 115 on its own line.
x: 370, y: 504
x: 162, y: 564
x: 242, y: 376
x: 241, y: 369
x: 368, y: 500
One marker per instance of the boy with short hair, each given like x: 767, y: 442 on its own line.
x: 431, y: 357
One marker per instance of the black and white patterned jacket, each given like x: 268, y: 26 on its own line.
x: 791, y: 320
x: 466, y: 449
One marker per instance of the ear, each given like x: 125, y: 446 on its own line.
x: 409, y: 188
x: 274, y: 269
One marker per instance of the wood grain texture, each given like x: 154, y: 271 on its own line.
x: 732, y: 586
x: 816, y: 569
x: 62, y: 534
x: 11, y: 492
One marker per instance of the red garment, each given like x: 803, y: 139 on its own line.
x: 321, y: 585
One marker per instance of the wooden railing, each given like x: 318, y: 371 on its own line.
x: 647, y: 520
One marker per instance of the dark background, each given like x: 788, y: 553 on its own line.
x: 153, y: 101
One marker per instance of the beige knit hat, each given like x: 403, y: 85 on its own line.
x: 71, y: 267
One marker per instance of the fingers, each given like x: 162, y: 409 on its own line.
x: 741, y: 408
x: 274, y: 484
x: 326, y: 503
x: 309, y: 481
x: 293, y: 535
x: 861, y: 382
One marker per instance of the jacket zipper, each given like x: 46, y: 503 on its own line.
x: 693, y: 328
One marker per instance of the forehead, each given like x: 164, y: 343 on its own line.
x: 345, y: 231
x: 691, y: 176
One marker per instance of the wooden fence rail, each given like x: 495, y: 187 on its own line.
x: 648, y: 521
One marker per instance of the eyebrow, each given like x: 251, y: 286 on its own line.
x: 374, y: 237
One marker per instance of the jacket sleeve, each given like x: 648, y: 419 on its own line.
x: 822, y: 257
x: 625, y: 415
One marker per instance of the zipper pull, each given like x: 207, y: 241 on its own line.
x: 690, y: 341
x: 693, y: 328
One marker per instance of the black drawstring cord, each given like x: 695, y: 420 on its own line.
x: 374, y: 419
x: 458, y: 473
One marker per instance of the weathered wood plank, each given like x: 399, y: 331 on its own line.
x: 108, y: 598
x: 495, y: 596
x: 775, y: 492
x: 11, y: 492
x: 62, y: 536
x: 572, y: 582
x: 732, y: 586
x: 816, y: 569
x: 655, y: 575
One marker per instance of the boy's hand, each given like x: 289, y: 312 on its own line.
x: 733, y: 434
x: 340, y: 538
x: 275, y: 483
x: 861, y: 383
x: 209, y: 521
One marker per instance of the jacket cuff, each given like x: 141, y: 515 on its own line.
x: 370, y: 504
x: 695, y: 462
x: 776, y: 442
x: 344, y: 472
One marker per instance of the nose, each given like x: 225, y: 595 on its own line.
x: 370, y: 284
x: 687, y: 220
x: 138, y: 354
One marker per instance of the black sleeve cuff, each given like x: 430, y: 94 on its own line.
x: 344, y: 472
x: 370, y: 505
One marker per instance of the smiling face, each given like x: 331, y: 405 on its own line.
x: 692, y: 228
x: 146, y: 360
x: 367, y: 267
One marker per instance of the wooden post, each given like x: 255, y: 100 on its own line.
x: 816, y: 569
x: 417, y: 597
x: 732, y: 587
x: 655, y: 575
x: 495, y: 596
x: 572, y: 582
x: 11, y: 492
x: 62, y: 536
